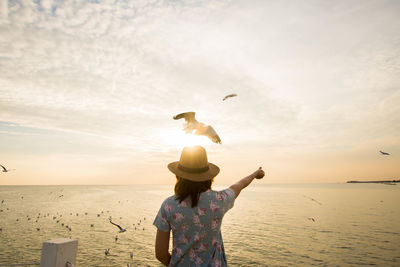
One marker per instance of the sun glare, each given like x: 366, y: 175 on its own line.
x: 181, y: 139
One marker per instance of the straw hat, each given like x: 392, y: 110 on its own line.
x: 193, y: 165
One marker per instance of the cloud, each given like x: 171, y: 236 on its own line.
x: 310, y: 75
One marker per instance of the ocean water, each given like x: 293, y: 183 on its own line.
x: 269, y: 225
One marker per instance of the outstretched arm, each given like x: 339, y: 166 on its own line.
x: 238, y: 186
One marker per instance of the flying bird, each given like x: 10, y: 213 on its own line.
x: 198, y: 128
x: 228, y: 96
x: 316, y: 201
x: 121, y: 230
x: 5, y: 170
x: 383, y: 153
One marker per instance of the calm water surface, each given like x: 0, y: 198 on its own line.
x: 270, y: 225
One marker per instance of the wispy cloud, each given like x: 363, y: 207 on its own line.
x: 309, y: 75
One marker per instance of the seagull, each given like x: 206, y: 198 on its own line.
x: 121, y: 230
x: 313, y: 200
x: 5, y: 170
x: 199, y: 128
x: 228, y: 96
x: 116, y: 238
x: 383, y: 153
x: 107, y: 251
x: 311, y: 219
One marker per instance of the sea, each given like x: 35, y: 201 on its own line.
x: 269, y: 225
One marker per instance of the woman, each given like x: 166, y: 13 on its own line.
x: 195, y: 212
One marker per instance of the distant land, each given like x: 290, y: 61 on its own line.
x: 391, y: 182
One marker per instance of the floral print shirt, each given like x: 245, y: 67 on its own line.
x: 196, y: 232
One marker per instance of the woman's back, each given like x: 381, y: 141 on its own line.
x: 196, y: 226
x: 197, y: 239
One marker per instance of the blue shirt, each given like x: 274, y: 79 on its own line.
x: 196, y: 232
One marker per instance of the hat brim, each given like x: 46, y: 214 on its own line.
x: 212, y: 171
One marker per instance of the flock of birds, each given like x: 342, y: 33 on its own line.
x: 61, y: 220
x: 191, y: 126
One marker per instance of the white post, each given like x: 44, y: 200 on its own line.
x: 57, y: 252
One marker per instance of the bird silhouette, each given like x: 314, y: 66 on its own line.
x: 196, y: 127
x: 5, y: 170
x: 384, y: 153
x: 121, y: 230
x: 229, y: 96
x: 316, y: 201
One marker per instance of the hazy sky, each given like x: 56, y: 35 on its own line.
x: 88, y: 89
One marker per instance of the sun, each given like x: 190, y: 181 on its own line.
x: 181, y: 139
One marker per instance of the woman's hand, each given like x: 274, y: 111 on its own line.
x: 238, y: 186
x: 259, y: 174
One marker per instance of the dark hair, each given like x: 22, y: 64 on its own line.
x: 185, y: 188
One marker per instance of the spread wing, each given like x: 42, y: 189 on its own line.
x: 3, y: 168
x: 212, y: 134
x: 228, y: 96
x: 188, y: 116
x: 120, y: 228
